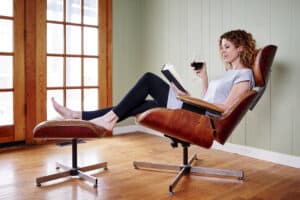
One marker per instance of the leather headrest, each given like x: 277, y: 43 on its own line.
x: 262, y: 64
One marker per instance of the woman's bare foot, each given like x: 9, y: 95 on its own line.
x: 107, y: 121
x: 65, y: 112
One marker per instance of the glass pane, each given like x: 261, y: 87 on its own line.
x: 58, y: 95
x: 55, y: 71
x: 74, y: 99
x: 73, y: 40
x: 55, y: 10
x: 55, y: 38
x: 90, y: 71
x: 73, y: 11
x: 90, y: 99
x: 90, y: 12
x: 6, y: 8
x: 73, y: 72
x: 90, y: 41
x: 6, y: 108
x: 6, y: 72
x: 6, y: 35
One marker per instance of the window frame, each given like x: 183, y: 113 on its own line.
x: 15, y: 132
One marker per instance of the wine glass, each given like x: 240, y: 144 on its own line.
x: 197, y: 62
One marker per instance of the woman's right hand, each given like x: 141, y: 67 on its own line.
x: 201, y: 72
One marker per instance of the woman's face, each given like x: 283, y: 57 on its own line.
x: 228, y: 51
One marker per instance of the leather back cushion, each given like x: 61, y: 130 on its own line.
x: 262, y: 64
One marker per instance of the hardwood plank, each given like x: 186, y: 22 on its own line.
x: 20, y: 166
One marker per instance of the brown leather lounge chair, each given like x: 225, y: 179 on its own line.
x: 70, y: 130
x: 189, y: 127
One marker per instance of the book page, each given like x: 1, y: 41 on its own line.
x: 171, y: 74
x: 171, y: 69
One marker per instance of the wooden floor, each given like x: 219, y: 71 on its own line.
x: 19, y: 168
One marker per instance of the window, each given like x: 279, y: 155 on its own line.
x: 72, y: 54
x: 6, y: 63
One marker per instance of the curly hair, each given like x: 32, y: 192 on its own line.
x: 241, y: 38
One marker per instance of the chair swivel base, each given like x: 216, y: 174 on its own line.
x: 187, y: 169
x: 70, y: 171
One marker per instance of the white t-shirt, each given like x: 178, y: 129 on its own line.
x: 218, y: 89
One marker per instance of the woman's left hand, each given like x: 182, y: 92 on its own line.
x: 178, y: 91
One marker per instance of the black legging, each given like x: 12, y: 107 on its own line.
x: 135, y: 100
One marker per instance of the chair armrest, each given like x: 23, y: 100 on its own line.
x: 201, y: 104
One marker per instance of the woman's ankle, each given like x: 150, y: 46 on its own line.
x: 103, y: 123
x: 112, y: 116
x: 76, y: 115
x: 108, y: 121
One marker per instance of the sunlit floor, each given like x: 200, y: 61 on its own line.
x: 19, y: 168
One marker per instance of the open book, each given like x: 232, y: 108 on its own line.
x: 170, y: 73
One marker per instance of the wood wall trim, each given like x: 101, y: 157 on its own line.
x: 109, y: 52
x: 40, y: 52
x: 30, y: 68
x: 19, y: 73
x: 105, y: 51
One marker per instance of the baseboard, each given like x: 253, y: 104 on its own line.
x: 119, y: 130
x: 279, y: 158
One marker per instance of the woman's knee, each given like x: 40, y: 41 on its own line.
x: 150, y: 77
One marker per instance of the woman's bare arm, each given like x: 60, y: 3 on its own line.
x: 237, y: 90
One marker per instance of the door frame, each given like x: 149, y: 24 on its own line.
x: 16, y: 132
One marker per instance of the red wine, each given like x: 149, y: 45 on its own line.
x: 197, y: 65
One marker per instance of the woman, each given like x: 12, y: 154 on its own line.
x: 238, y: 51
